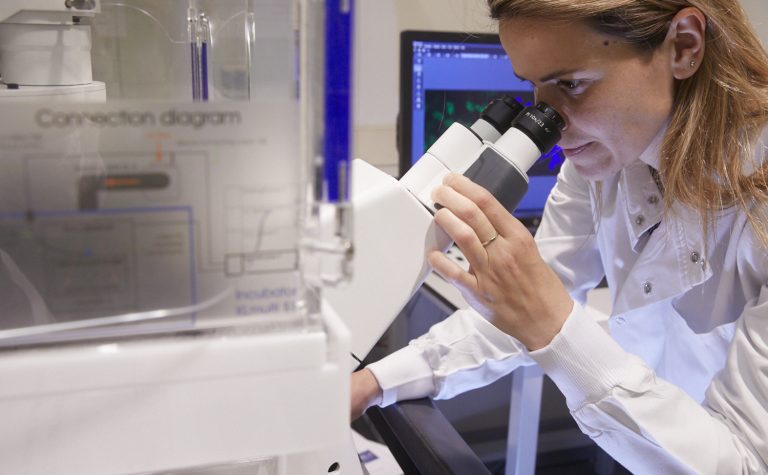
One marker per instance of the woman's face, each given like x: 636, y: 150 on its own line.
x: 614, y: 98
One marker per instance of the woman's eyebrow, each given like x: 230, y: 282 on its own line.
x: 551, y: 76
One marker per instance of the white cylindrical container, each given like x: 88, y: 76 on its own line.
x: 45, y: 55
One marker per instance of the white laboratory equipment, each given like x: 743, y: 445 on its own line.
x: 45, y: 50
x: 155, y: 316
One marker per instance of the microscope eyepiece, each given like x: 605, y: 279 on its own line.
x: 502, y: 167
x: 548, y: 111
x: 500, y: 112
x: 542, y: 124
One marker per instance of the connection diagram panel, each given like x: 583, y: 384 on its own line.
x: 109, y: 210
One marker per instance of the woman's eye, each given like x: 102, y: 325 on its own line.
x: 571, y: 86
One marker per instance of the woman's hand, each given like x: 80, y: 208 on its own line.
x: 365, y: 391
x: 508, y: 282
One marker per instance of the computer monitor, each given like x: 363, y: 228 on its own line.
x: 448, y: 77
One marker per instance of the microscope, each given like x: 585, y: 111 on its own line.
x: 390, y: 261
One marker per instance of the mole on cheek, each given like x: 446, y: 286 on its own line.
x: 606, y: 43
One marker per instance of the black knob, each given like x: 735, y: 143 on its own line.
x: 500, y: 113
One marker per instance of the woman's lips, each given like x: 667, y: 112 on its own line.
x: 572, y: 152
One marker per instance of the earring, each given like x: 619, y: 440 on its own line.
x: 693, y: 63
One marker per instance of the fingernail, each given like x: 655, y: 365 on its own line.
x: 434, y: 193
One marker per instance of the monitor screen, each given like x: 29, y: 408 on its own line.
x: 448, y: 77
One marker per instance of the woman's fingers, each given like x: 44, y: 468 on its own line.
x: 466, y: 210
x: 464, y: 236
x: 498, y: 216
x: 452, y: 272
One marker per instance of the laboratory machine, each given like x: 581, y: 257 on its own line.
x: 160, y: 253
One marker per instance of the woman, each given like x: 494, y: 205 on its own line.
x: 664, y: 192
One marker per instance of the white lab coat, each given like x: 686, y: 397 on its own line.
x: 680, y: 385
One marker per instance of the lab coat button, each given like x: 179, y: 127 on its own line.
x: 640, y: 220
x: 620, y: 320
x: 653, y: 199
x: 695, y: 257
x: 647, y: 287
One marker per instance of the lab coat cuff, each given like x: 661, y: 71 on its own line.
x: 405, y: 374
x: 583, y: 360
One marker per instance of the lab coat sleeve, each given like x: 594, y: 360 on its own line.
x: 462, y: 352
x: 652, y: 426
x: 566, y: 238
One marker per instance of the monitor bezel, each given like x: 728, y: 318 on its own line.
x: 407, y: 37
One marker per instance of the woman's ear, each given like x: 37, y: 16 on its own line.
x: 687, y: 33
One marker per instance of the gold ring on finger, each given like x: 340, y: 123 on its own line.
x: 489, y: 241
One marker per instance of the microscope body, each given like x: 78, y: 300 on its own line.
x: 393, y: 220
x: 394, y: 233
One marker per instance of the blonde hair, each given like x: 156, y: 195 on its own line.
x: 718, y: 114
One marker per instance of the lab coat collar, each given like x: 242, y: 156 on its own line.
x: 676, y: 238
x: 675, y: 258
x: 665, y: 258
x: 652, y: 152
x: 643, y: 201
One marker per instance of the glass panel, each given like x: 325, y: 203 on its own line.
x: 171, y: 200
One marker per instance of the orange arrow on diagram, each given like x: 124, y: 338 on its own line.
x: 158, y: 138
